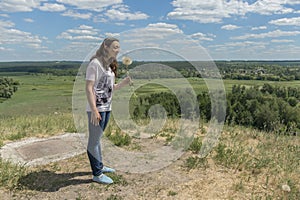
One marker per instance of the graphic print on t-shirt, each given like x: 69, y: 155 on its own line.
x: 103, y: 90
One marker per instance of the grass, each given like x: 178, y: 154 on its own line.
x: 264, y: 162
x: 194, y: 162
x: 196, y: 145
x: 39, y: 94
x: 271, y: 159
x: 10, y: 174
x: 42, y: 106
x: 117, y: 137
x: 18, y: 127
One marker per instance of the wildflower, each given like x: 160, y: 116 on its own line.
x: 286, y: 188
x: 126, y: 60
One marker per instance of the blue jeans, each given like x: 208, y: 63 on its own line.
x: 94, y: 145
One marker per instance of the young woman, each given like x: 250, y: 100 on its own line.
x: 100, y: 84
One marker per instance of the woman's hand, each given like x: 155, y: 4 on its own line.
x: 127, y: 80
x: 95, y: 118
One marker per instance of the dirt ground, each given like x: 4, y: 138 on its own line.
x: 71, y: 179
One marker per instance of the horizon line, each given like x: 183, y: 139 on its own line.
x: 216, y: 60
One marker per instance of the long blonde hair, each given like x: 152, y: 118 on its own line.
x: 101, y: 53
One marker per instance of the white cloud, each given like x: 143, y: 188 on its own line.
x: 77, y: 50
x: 239, y: 50
x: 29, y: 20
x: 81, y: 33
x: 151, y: 36
x: 292, y: 2
x: 120, y: 23
x: 163, y: 41
x: 75, y: 15
x: 19, y: 6
x: 283, y: 52
x: 269, y: 7
x: 11, y: 36
x: 203, y: 37
x: 216, y: 11
x: 122, y: 12
x: 295, y: 21
x: 94, y: 5
x: 244, y: 44
x: 282, y: 41
x: 6, y: 24
x: 230, y: 27
x: 162, y: 29
x: 258, y: 28
x: 271, y: 34
x: 84, y: 30
x: 4, y: 15
x: 52, y: 7
x: 205, y: 12
x: 116, y: 35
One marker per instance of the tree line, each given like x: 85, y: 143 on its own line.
x: 267, y: 107
x: 63, y: 68
x: 241, y: 70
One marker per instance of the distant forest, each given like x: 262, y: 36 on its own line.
x: 63, y: 68
x: 241, y: 70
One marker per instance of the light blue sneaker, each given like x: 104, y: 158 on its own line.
x: 108, y: 170
x: 103, y: 179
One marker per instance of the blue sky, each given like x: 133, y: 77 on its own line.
x: 224, y: 29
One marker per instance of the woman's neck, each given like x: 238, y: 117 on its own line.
x: 105, y: 62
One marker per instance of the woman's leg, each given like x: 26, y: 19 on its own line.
x: 94, y: 147
x: 94, y: 144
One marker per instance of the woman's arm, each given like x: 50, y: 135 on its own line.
x: 89, y: 89
x: 124, y: 82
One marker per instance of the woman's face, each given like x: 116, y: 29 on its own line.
x: 113, y: 49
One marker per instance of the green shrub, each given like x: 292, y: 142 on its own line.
x: 118, y: 138
x: 196, y: 145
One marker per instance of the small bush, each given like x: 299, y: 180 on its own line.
x: 196, y: 145
x: 118, y: 138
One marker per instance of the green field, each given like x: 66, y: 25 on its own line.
x: 46, y: 94
x: 39, y: 94
x: 42, y: 106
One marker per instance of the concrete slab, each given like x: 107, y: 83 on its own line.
x: 40, y: 151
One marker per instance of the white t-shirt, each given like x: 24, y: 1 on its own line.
x: 104, y: 84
